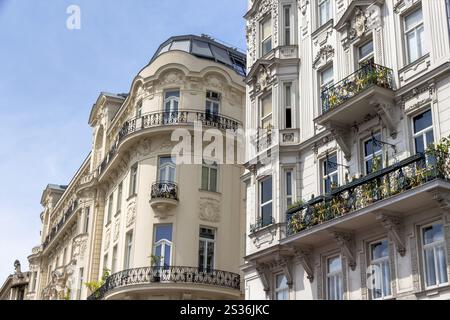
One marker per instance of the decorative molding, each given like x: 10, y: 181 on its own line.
x: 131, y: 213
x: 209, y: 209
x: 304, y: 256
x: 392, y: 224
x: 116, y: 230
x: 264, y: 274
x: 325, y: 54
x: 346, y: 242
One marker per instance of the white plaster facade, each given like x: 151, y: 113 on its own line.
x: 337, y: 123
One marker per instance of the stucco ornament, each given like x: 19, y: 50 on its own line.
x: 173, y: 77
x: 359, y: 24
x: 107, y: 239
x: 131, y: 213
x: 79, y: 247
x: 116, y: 231
x: 209, y: 209
x: 324, y: 55
x: 262, y: 79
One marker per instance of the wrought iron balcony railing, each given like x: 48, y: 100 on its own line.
x: 167, y: 274
x: 159, y: 119
x: 398, y: 178
x: 261, y: 223
x: 164, y: 190
x: 369, y: 75
x: 54, y: 231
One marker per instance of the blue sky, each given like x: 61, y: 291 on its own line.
x: 50, y: 77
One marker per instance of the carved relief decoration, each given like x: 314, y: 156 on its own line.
x: 116, y: 230
x: 131, y: 213
x: 209, y: 209
x: 324, y: 55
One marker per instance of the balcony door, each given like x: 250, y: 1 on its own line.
x: 162, y: 248
x: 167, y: 169
x: 171, y: 102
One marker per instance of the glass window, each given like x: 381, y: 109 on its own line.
x: 209, y: 176
x: 373, y: 154
x: 434, y: 256
x: 365, y: 54
x: 212, y: 103
x: 423, y: 131
x: 110, y: 207
x: 105, y: 262
x: 86, y: 220
x: 162, y: 245
x: 139, y: 109
x: 329, y: 173
x: 334, y: 279
x: 281, y: 288
x: 324, y: 11
x: 288, y: 188
x: 265, y: 201
x: 414, y: 35
x: 165, y: 48
x: 128, y: 250
x: 119, y: 197
x: 133, y: 180
x: 221, y: 55
x: 381, y: 274
x: 288, y: 105
x: 206, y: 249
x: 287, y: 25
x: 326, y: 81
x: 201, y: 48
x: 266, y: 35
x: 266, y: 111
x: 167, y: 169
x: 181, y: 45
x: 114, y: 260
x: 171, y: 102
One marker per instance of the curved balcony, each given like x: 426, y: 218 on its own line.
x: 167, y: 119
x: 61, y: 224
x: 353, y: 98
x: 400, y: 189
x: 170, y: 278
x: 164, y: 195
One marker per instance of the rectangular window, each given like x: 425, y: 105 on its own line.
x: 329, y: 173
x: 212, y: 103
x: 373, y: 154
x: 266, y: 35
x: 167, y: 169
x: 281, y: 288
x: 138, y: 109
x: 381, y: 273
x: 266, y: 111
x: 128, y: 249
x: 80, y: 283
x: 119, y: 197
x: 86, y: 219
x: 162, y: 245
x: 206, y: 249
x: 110, y: 207
x: 434, y: 256
x: 133, y: 180
x: 287, y: 25
x: 209, y: 176
x: 105, y: 261
x: 334, y: 279
x: 326, y: 81
x: 171, y: 101
x: 365, y: 54
x: 288, y: 105
x: 324, y: 11
x: 265, y: 201
x: 114, y: 260
x: 423, y: 131
x: 34, y: 282
x: 288, y: 188
x: 414, y: 35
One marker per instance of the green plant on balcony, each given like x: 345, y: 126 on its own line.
x: 155, y: 262
x: 296, y: 204
x: 93, y: 286
x: 382, y: 77
x: 297, y: 223
x: 68, y: 293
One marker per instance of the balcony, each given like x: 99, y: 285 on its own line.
x: 59, y: 226
x: 400, y: 189
x: 166, y: 120
x: 164, y: 196
x: 364, y: 93
x: 261, y: 223
x: 168, y: 278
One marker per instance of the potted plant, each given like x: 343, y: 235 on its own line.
x: 155, y: 264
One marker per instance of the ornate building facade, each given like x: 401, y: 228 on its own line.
x: 135, y: 223
x: 342, y: 199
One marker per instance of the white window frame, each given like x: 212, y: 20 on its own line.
x: 208, y: 242
x: 413, y: 29
x: 283, y: 290
x: 269, y: 115
x: 336, y: 276
x: 172, y: 107
x: 110, y: 207
x: 433, y: 246
x: 328, y: 6
x: 288, y: 104
x: 210, y: 167
x: 212, y: 102
x: 422, y: 132
x: 268, y: 37
x: 139, y: 109
x: 364, y: 59
x: 330, y: 175
x: 379, y: 266
x: 165, y: 169
x: 287, y: 25
x: 133, y: 180
x: 371, y: 156
x: 289, y: 197
x: 269, y: 202
x: 114, y: 259
x: 163, y: 243
x: 128, y: 249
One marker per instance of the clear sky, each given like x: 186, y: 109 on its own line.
x: 50, y: 77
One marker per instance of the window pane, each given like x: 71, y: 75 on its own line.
x: 287, y: 95
x: 288, y: 183
x: 175, y: 94
x: 266, y: 105
x: 281, y: 281
x: 366, y: 50
x: 266, y: 214
x: 334, y: 265
x: 380, y: 250
x: 327, y: 76
x: 430, y: 267
x: 267, y: 45
x: 213, y: 182
x: 201, y: 254
x: 413, y: 50
x: 386, y: 279
x: 266, y: 27
x: 413, y: 19
x: 167, y: 255
x: 441, y: 264
x: 201, y: 48
x: 419, y: 144
x: 181, y: 45
x: 433, y: 233
x: 163, y: 232
x: 422, y: 121
x: 221, y: 55
x: 205, y: 178
x: 266, y: 190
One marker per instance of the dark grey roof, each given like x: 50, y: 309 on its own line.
x: 56, y: 187
x: 206, y: 48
